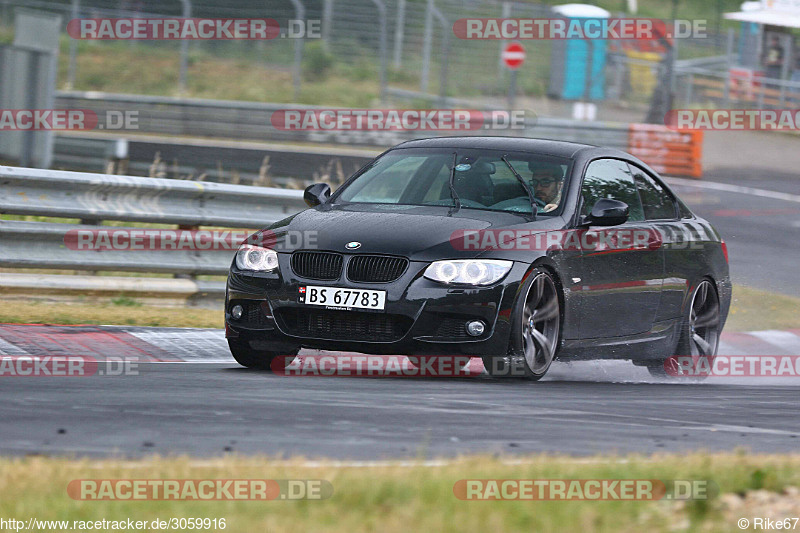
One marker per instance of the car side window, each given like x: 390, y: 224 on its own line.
x: 611, y: 178
x: 657, y: 203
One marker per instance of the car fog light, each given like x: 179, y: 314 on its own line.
x: 236, y: 312
x: 476, y: 328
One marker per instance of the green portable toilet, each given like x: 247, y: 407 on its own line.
x: 573, y: 60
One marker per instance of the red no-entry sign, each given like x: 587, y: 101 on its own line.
x: 513, y: 55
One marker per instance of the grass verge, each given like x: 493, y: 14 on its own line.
x: 416, y: 497
x: 755, y: 310
x: 123, y: 311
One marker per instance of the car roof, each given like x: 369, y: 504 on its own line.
x: 517, y: 144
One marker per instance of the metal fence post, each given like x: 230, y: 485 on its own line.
x: 787, y: 55
x: 73, y: 48
x: 689, y: 91
x: 300, y: 13
x: 398, y: 33
x: 383, y: 45
x: 501, y: 69
x: 426, y: 47
x: 327, y: 23
x: 726, y: 95
x: 187, y: 13
x: 446, y: 31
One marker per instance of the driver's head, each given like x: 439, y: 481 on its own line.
x: 546, y: 179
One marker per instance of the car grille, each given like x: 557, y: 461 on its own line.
x: 344, y: 325
x: 317, y: 265
x: 452, y: 328
x: 376, y: 268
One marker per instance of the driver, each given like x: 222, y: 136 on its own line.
x: 547, y: 179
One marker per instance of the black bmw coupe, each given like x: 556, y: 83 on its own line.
x: 515, y: 250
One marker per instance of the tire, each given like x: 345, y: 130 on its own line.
x: 535, y: 330
x: 257, y: 359
x: 699, y: 335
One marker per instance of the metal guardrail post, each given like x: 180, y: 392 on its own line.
x: 73, y: 48
x: 187, y: 13
x: 28, y: 137
x: 383, y: 45
x: 300, y: 13
x: 398, y: 33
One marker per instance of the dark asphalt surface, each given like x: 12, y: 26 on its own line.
x: 211, y: 409
x: 762, y: 233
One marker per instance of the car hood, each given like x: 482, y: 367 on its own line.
x: 421, y: 233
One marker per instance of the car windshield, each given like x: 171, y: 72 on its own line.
x: 483, y: 179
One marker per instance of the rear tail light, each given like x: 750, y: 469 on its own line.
x: 725, y: 250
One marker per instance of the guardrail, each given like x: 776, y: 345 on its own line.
x: 25, y: 191
x: 93, y: 198
x: 252, y: 121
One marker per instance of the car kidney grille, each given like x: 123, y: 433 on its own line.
x: 345, y: 325
x: 317, y: 265
x: 376, y: 268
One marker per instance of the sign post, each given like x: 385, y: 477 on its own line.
x: 513, y: 57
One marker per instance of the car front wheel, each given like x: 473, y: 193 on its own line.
x: 535, y: 330
x: 257, y: 359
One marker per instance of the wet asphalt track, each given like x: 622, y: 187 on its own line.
x: 210, y: 409
x: 584, y: 408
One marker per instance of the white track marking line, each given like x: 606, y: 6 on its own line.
x: 741, y: 189
x: 785, y: 340
x: 6, y: 348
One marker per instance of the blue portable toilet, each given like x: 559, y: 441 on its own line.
x: 571, y: 60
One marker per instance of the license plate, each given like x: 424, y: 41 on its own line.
x: 341, y: 298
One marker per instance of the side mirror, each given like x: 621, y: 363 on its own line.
x: 316, y: 194
x: 608, y: 212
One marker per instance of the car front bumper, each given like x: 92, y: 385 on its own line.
x: 421, y: 317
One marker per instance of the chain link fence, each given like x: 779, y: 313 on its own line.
x: 400, y: 49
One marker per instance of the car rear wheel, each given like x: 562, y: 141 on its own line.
x: 699, y: 337
x: 535, y: 330
x: 257, y: 359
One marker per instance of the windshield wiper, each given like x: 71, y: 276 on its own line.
x: 528, y: 190
x: 456, y: 201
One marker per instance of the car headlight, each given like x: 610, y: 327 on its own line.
x: 257, y: 258
x: 469, y: 271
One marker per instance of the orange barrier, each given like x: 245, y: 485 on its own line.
x: 675, y: 153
